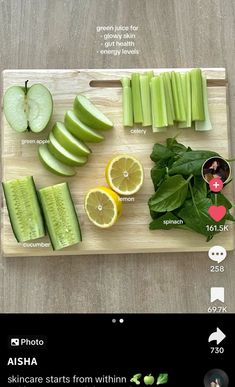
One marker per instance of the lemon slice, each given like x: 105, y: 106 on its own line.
x: 124, y: 174
x: 103, y: 206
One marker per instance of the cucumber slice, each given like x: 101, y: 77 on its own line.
x: 52, y: 164
x: 79, y: 129
x: 90, y: 115
x: 23, y: 209
x: 68, y: 141
x: 60, y: 216
x: 63, y: 155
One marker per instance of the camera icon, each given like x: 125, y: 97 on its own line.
x: 15, y: 342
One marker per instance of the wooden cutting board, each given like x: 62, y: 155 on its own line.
x: 131, y: 233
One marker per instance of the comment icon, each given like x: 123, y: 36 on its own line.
x: 217, y: 253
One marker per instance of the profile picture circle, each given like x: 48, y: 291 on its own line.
x: 216, y: 168
x: 216, y: 378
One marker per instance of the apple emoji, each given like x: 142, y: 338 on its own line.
x: 28, y: 108
x: 148, y: 380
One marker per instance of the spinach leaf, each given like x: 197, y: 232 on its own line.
x: 199, y: 188
x: 157, y: 175
x: 170, y: 195
x: 195, y: 215
x: 166, y: 222
x: 220, y: 200
x: 191, y: 162
x: 161, y: 152
x: 155, y: 215
x: 175, y: 146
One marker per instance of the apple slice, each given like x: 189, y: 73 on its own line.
x: 68, y: 141
x: 63, y: 155
x: 90, y: 115
x: 79, y: 129
x: 52, y: 164
x: 28, y: 108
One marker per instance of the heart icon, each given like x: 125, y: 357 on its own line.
x: 217, y: 212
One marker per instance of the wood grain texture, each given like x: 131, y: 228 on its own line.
x: 61, y: 34
x: 131, y: 233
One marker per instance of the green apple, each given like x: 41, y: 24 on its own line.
x: 52, y: 164
x: 79, y: 129
x: 63, y: 155
x: 90, y: 115
x: 68, y: 141
x: 28, y: 108
x: 148, y: 380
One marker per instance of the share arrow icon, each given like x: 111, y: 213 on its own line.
x: 217, y: 336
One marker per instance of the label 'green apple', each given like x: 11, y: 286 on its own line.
x: 28, y: 108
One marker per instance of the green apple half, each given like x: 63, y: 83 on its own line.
x: 90, y: 115
x: 28, y: 108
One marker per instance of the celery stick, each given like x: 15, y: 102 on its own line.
x: 127, y: 102
x: 186, y: 87
x: 150, y: 74
x: 168, y: 91
x: 197, y: 95
x: 204, y: 125
x: 145, y: 99
x: 136, y: 98
x: 170, y: 114
x: 175, y: 96
x: 158, y: 104
x: 178, y: 99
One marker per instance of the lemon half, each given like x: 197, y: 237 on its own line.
x: 124, y: 174
x: 103, y: 206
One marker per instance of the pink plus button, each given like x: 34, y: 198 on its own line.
x: 216, y: 184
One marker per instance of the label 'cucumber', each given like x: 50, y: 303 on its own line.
x: 23, y: 209
x: 60, y: 216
